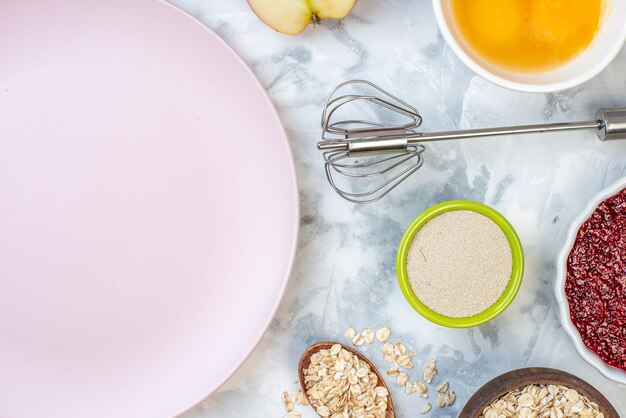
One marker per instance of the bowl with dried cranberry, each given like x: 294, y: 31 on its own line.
x: 591, y: 282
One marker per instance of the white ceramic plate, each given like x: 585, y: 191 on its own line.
x: 606, y: 45
x: 148, y: 209
x: 592, y: 358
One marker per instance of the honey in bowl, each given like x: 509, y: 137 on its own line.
x: 528, y: 35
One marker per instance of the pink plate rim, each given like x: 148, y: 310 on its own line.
x: 296, y: 202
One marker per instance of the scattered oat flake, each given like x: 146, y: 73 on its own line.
x: 294, y: 414
x: 409, y: 388
x: 450, y: 398
x: 387, y: 347
x: 383, y: 334
x: 358, y: 340
x: 368, y: 335
x: 389, y: 356
x: 441, y: 400
x: 426, y: 408
x: 402, y: 379
x: 393, y: 372
x: 404, y: 361
x: 299, y: 398
x: 399, y: 349
x: 442, y: 387
x: 350, y: 333
x: 421, y: 388
x: 430, y: 370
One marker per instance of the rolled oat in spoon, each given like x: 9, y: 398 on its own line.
x: 337, y: 379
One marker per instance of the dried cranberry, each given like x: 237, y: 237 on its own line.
x: 596, y: 281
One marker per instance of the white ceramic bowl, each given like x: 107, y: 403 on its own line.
x: 592, y: 358
x: 587, y: 65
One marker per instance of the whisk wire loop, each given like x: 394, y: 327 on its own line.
x: 336, y: 101
x: 413, y: 154
x: 352, y: 161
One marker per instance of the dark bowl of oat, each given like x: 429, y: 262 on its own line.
x: 538, y: 392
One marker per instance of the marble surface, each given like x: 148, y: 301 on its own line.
x: 344, y: 273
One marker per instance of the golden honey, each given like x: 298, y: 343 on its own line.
x: 528, y: 35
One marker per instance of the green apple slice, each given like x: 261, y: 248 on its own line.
x: 292, y: 16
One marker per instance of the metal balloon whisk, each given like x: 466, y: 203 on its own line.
x: 382, y: 149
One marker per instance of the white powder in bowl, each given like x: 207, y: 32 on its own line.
x: 459, y: 263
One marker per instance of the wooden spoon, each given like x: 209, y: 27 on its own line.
x: 305, y: 360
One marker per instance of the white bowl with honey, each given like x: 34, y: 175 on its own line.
x: 534, y: 45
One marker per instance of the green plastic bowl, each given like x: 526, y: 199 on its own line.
x: 516, y: 274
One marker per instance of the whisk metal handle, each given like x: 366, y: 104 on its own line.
x: 512, y: 130
x: 609, y: 124
x: 387, y: 143
x: 613, y: 123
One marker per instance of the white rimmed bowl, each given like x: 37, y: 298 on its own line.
x: 592, y: 358
x: 585, y: 66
